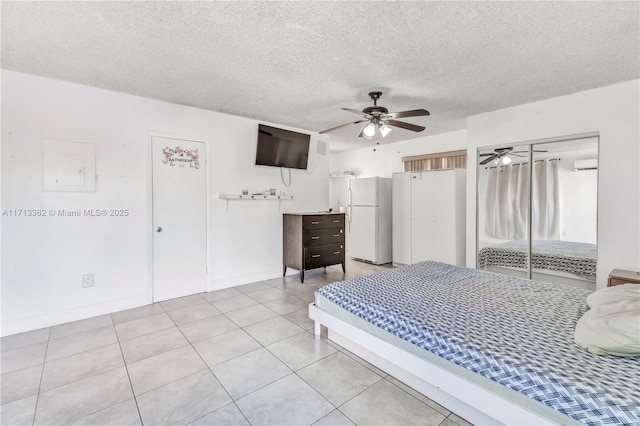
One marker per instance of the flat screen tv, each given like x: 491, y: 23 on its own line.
x: 282, y: 148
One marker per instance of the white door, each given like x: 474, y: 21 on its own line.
x: 363, y: 229
x: 179, y: 218
x: 364, y: 192
x: 401, y: 216
x: 421, y: 208
x: 433, y: 217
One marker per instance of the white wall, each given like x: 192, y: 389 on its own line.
x: 387, y: 159
x: 44, y: 258
x: 614, y: 113
x: 578, y: 200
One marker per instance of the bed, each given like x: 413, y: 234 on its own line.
x: 490, y: 347
x: 571, y: 259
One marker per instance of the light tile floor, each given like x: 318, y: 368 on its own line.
x: 244, y: 355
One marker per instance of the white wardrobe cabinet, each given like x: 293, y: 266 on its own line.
x: 429, y: 216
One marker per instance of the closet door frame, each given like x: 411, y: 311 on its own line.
x: 529, y: 145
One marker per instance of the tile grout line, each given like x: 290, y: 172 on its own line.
x: 262, y: 346
x: 62, y: 358
x: 124, y: 364
x: 126, y: 367
x: 305, y: 366
x: 337, y: 407
x: 207, y: 368
x: 311, y: 288
x: 44, y: 361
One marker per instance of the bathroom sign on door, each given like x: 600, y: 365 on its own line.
x: 181, y: 157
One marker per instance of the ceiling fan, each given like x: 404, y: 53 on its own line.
x: 501, y: 153
x: 380, y: 119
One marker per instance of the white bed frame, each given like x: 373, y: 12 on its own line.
x: 467, y: 399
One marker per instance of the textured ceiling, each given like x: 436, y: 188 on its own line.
x: 298, y: 63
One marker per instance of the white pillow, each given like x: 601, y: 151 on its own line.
x: 630, y: 292
x: 612, y: 325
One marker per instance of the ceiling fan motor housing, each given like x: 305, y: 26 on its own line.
x: 503, y: 151
x: 375, y: 110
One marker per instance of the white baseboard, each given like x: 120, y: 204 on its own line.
x: 48, y: 319
x: 222, y: 283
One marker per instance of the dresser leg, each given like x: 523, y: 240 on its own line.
x: 344, y: 271
x: 284, y: 271
x: 302, y: 276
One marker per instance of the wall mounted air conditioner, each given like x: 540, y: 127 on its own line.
x: 588, y: 164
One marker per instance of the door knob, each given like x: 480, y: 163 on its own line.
x: 159, y: 229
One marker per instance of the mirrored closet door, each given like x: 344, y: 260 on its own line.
x: 539, y: 222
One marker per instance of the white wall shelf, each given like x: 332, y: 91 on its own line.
x: 249, y: 197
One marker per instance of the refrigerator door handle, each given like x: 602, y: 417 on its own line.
x: 349, y: 198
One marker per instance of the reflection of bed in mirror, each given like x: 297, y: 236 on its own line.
x: 568, y: 262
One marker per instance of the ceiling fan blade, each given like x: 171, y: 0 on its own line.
x: 404, y: 125
x: 488, y: 159
x: 410, y: 113
x: 342, y: 125
x: 490, y: 153
x: 517, y: 155
x: 355, y: 111
x: 361, y: 135
x: 535, y: 150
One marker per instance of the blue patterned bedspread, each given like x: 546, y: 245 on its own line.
x: 566, y: 256
x: 516, y: 332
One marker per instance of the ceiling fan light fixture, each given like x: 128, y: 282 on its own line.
x: 506, y: 160
x: 384, y: 130
x: 369, y: 130
x: 376, y: 114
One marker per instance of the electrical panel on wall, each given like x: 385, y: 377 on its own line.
x: 68, y: 166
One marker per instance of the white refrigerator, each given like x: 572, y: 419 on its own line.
x: 369, y: 220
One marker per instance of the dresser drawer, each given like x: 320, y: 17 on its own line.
x: 314, y: 237
x: 329, y: 254
x: 323, y: 221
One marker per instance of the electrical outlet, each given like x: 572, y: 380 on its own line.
x: 87, y: 280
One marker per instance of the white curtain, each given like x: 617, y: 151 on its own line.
x: 545, y: 207
x: 507, y: 201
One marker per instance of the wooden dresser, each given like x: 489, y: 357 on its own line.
x: 312, y: 240
x: 620, y: 276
